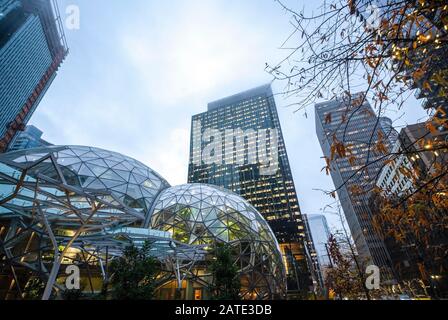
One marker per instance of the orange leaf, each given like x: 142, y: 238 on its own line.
x: 328, y: 118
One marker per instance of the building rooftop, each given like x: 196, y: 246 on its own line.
x: 264, y: 90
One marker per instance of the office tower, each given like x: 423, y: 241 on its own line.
x: 417, y: 148
x: 32, y: 47
x: 30, y: 138
x: 413, y: 181
x: 415, y: 137
x: 392, y: 179
x: 431, y: 57
x: 347, y: 124
x: 245, y: 130
x: 316, y: 275
x: 320, y: 233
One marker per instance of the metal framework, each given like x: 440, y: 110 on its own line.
x: 204, y: 215
x: 83, y: 205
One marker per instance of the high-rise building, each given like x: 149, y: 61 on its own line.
x: 318, y: 280
x: 361, y: 138
x: 32, y: 47
x: 244, y: 130
x: 416, y: 148
x: 320, y: 233
x: 31, y: 137
x: 431, y: 92
x: 418, y: 157
x: 393, y: 179
x: 415, y: 137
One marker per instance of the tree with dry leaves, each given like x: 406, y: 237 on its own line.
x: 388, y: 51
x: 384, y: 50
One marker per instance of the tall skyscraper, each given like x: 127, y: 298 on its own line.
x: 320, y: 233
x: 432, y: 97
x: 244, y: 130
x: 32, y: 47
x: 341, y: 122
x: 31, y: 137
x: 318, y: 281
x: 418, y: 156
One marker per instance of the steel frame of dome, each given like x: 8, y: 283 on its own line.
x: 200, y: 214
x: 79, y: 198
x: 85, y: 203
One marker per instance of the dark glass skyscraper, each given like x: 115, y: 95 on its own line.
x: 320, y: 233
x: 32, y: 47
x: 237, y: 124
x: 361, y: 132
x: 30, y: 138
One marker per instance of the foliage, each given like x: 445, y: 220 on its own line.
x: 349, y: 44
x: 386, y: 53
x: 134, y: 274
x: 383, y: 54
x: 74, y: 294
x: 416, y: 226
x: 34, y: 289
x: 342, y: 277
x: 225, y: 273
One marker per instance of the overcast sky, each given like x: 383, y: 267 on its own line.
x: 138, y: 70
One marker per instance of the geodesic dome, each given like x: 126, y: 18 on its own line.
x: 130, y: 181
x: 199, y: 214
x: 73, y: 202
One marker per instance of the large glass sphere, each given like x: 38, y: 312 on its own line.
x: 89, y: 168
x: 199, y: 214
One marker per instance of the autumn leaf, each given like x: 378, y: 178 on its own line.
x: 381, y: 148
x: 430, y: 126
x: 356, y: 190
x: 441, y: 111
x: 352, y: 160
x: 340, y: 149
x: 327, y: 167
x: 382, y: 96
x: 427, y: 86
x: 328, y: 118
x: 418, y: 74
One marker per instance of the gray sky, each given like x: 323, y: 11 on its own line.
x: 138, y: 70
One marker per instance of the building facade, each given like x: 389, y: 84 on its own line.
x: 433, y: 97
x: 393, y: 179
x: 418, y: 156
x: 317, y: 276
x: 31, y: 137
x: 32, y: 47
x: 356, y: 127
x: 320, y: 233
x: 236, y: 126
x: 426, y: 148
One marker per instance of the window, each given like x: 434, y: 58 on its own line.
x: 197, y: 294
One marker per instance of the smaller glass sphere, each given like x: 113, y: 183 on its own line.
x: 200, y: 214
